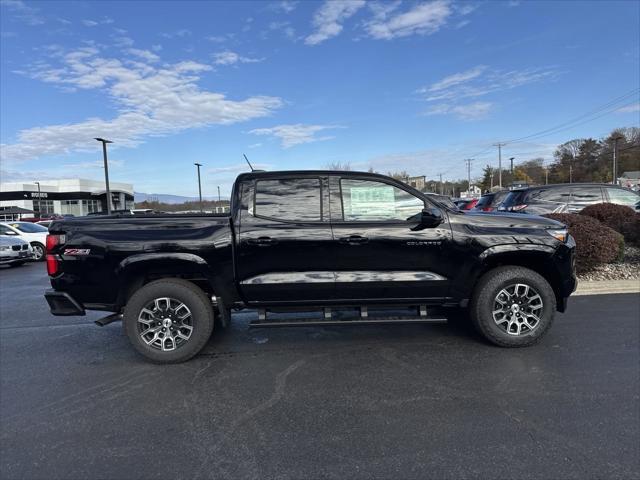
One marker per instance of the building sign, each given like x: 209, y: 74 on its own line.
x: 39, y: 195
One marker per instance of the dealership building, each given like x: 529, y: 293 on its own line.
x: 73, y: 196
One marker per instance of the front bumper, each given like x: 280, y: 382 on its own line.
x: 63, y: 304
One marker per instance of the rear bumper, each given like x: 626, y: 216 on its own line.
x: 61, y: 303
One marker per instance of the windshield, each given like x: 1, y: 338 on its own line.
x: 484, y: 201
x: 27, y: 227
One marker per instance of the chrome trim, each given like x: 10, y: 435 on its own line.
x: 343, y: 277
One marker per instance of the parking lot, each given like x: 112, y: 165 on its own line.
x: 393, y: 401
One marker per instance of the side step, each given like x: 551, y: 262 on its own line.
x: 328, y: 319
x: 114, y: 317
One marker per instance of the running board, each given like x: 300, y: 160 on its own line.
x: 108, y: 319
x: 342, y: 323
x: 328, y: 319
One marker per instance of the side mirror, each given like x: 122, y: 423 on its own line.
x: 430, y: 218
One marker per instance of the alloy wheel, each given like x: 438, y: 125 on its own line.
x: 38, y: 251
x: 517, y: 309
x: 165, y: 324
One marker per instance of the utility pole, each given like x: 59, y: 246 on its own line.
x: 39, y: 204
x: 468, y: 162
x: 615, y: 159
x: 511, y: 160
x: 441, y: 185
x: 499, y: 145
x: 198, y: 165
x: 106, y: 171
x: 218, y: 193
x: 570, y: 173
x: 491, y: 174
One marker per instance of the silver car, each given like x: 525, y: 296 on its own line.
x: 14, y: 251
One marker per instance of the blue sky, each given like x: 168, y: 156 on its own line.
x: 404, y: 85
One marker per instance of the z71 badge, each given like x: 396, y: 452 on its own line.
x: 77, y: 251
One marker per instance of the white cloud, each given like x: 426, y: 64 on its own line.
x: 23, y: 12
x: 94, y: 23
x: 156, y: 48
x: 471, y: 111
x: 422, y: 19
x: 230, y: 58
x: 93, y: 164
x: 183, y: 32
x: 144, y: 54
x: 329, y: 17
x: 629, y: 108
x: 297, y: 134
x: 482, y: 80
x: 151, y: 101
x: 216, y: 38
x: 287, y: 6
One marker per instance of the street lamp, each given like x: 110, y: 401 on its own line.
x: 511, y: 160
x: 39, y: 204
x: 198, y: 165
x: 106, y: 171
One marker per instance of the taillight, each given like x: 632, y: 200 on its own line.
x: 53, y: 260
x: 53, y: 241
x: 52, y: 264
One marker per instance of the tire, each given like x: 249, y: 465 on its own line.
x: 159, y: 300
x: 38, y: 251
x: 512, y: 326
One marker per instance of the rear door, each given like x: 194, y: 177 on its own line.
x: 379, y: 252
x: 284, y: 241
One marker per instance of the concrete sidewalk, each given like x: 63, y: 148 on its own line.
x: 608, y: 286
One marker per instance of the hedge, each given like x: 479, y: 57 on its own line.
x: 595, y: 243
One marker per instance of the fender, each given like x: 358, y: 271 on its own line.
x: 515, y: 248
x: 161, y: 257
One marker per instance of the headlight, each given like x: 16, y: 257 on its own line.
x: 561, y: 234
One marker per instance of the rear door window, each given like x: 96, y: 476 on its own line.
x: 586, y: 195
x: 289, y: 199
x: 549, y: 195
x: 621, y: 196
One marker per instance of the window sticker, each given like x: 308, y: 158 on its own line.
x: 372, y: 201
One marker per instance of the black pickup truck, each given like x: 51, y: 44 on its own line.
x: 310, y: 240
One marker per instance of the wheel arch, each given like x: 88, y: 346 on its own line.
x: 539, y: 259
x: 138, y: 270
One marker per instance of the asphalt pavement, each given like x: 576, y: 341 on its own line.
x: 392, y: 401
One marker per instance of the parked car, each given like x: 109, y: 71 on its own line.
x: 33, y: 233
x: 567, y: 197
x: 310, y: 240
x: 443, y: 200
x: 466, y: 203
x: 44, y: 216
x: 490, y: 202
x: 14, y: 251
x: 44, y: 223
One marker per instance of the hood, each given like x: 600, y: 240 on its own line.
x: 514, y: 220
x: 6, y: 240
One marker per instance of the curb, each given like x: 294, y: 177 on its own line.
x: 608, y: 287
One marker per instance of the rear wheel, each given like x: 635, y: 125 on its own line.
x: 513, y: 306
x: 169, y: 320
x: 38, y: 251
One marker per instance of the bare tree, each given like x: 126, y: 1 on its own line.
x: 346, y: 166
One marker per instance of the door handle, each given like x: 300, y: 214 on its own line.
x: 354, y: 240
x: 262, y: 241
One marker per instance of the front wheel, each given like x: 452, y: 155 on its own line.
x: 513, y: 306
x: 169, y: 320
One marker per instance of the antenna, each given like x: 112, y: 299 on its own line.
x: 250, y: 166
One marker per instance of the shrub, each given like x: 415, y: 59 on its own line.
x: 610, y: 214
x: 630, y: 229
x: 595, y: 243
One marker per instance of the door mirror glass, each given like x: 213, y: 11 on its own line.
x: 430, y: 218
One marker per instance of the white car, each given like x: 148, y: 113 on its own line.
x: 14, y: 251
x: 36, y: 235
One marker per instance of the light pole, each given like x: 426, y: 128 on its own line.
x: 198, y: 165
x: 511, y: 160
x: 614, y: 180
x: 218, y: 193
x: 499, y: 145
x: 39, y: 203
x: 106, y: 171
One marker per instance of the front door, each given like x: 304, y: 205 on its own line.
x: 380, y: 251
x: 284, y: 240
